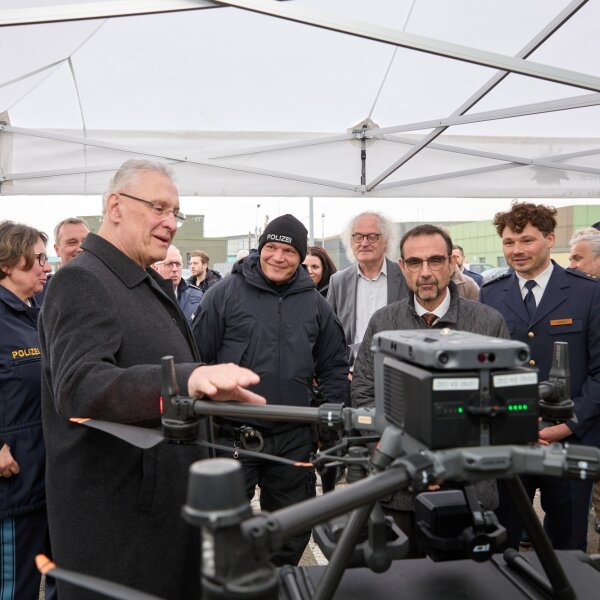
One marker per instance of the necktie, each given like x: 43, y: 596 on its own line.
x: 429, y: 318
x: 530, y: 304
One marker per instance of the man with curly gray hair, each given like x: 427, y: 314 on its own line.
x: 373, y: 282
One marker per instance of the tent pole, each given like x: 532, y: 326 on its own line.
x: 311, y: 222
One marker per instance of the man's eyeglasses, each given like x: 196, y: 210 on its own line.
x: 435, y: 263
x: 371, y: 237
x: 41, y: 258
x: 158, y: 209
x: 169, y: 265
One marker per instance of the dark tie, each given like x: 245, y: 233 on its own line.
x: 429, y: 318
x: 530, y: 304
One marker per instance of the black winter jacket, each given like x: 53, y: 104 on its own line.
x: 289, y: 336
x: 211, y: 278
x: 20, y: 406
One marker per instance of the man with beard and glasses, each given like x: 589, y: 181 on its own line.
x: 428, y: 264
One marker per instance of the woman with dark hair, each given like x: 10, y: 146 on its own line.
x: 320, y: 267
x: 24, y: 268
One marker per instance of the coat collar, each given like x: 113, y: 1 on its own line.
x: 16, y: 304
x: 129, y: 272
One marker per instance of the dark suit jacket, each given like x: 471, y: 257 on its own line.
x: 342, y: 294
x: 114, y: 509
x: 568, y: 312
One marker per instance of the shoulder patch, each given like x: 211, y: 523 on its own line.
x: 581, y: 274
x: 497, y: 278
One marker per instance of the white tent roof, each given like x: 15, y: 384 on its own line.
x: 458, y: 98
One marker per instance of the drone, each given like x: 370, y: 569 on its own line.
x: 449, y: 405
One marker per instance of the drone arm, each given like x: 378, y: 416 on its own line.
x: 502, y: 462
x: 305, y: 515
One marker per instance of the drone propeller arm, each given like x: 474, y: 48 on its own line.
x: 305, y: 515
x: 419, y: 470
x: 302, y: 414
x: 503, y: 462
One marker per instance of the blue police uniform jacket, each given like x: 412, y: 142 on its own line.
x: 188, y: 298
x: 569, y: 311
x: 20, y: 406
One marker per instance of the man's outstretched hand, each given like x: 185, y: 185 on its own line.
x: 224, y: 382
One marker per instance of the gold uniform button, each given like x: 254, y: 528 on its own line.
x: 531, y: 334
x: 532, y: 363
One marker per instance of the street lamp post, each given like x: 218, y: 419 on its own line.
x: 323, y: 230
x: 256, y: 227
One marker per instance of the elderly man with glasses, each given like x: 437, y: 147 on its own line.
x: 428, y: 264
x: 188, y: 295
x: 108, y: 319
x: 375, y: 280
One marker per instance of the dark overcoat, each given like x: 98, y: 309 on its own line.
x: 114, y: 510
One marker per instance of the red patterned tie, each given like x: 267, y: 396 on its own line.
x: 429, y: 318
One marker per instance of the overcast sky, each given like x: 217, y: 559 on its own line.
x: 238, y: 216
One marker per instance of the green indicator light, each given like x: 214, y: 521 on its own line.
x: 520, y: 407
x: 524, y: 406
x: 510, y: 407
x: 460, y: 410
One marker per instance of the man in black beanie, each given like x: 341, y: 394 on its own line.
x: 268, y: 316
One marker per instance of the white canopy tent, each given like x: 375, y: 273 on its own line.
x: 399, y: 98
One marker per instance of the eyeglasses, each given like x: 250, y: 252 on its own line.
x: 158, y: 209
x: 435, y: 263
x: 41, y: 258
x: 170, y: 265
x: 371, y: 237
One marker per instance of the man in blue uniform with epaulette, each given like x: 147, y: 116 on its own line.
x: 543, y: 303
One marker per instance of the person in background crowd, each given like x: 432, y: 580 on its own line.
x: 267, y: 316
x: 459, y: 253
x: 543, y: 303
x: 188, y: 295
x: 585, y: 256
x: 585, y: 251
x: 357, y: 292
x: 24, y: 268
x: 68, y: 237
x: 109, y: 319
x: 202, y: 276
x: 320, y: 267
x: 428, y: 264
x: 465, y: 286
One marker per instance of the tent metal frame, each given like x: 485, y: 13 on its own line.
x: 288, y: 11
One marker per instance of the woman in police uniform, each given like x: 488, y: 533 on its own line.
x: 23, y: 527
